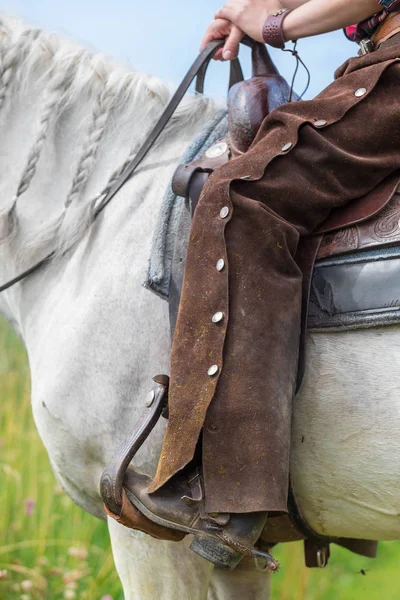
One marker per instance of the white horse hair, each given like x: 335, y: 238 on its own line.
x: 66, y: 75
x: 69, y: 122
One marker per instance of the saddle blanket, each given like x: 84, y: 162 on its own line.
x: 170, y: 220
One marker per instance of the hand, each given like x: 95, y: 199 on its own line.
x: 222, y: 28
x: 249, y: 15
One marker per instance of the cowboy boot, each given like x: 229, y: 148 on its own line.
x: 222, y: 539
x: 177, y: 508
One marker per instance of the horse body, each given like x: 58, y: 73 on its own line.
x: 345, y: 444
x: 95, y: 336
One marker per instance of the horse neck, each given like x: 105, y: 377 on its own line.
x: 69, y: 122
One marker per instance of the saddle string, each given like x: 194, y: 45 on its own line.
x: 299, y: 61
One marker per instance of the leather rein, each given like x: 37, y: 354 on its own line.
x: 198, y: 69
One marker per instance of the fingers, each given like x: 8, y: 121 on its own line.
x: 218, y: 55
x: 217, y: 29
x: 231, y: 48
x: 221, y: 28
x: 226, y: 12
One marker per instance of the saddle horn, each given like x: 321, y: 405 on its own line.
x: 250, y: 101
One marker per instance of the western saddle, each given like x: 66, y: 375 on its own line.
x: 348, y: 263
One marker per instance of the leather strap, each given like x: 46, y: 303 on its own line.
x: 112, y: 479
x: 316, y: 545
x: 387, y: 29
x: 29, y: 271
x: 196, y: 68
x: 203, y: 57
x: 272, y: 31
x: 235, y: 74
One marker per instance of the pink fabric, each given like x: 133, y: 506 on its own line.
x: 350, y: 31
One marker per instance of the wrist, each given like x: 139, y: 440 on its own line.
x: 272, y: 31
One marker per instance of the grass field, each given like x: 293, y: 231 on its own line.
x: 51, y: 550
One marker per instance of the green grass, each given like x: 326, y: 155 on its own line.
x: 51, y: 550
x: 49, y: 547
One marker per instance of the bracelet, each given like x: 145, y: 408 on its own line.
x: 272, y: 30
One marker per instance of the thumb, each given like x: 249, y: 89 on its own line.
x: 231, y: 47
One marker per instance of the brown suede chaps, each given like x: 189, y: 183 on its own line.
x: 235, y: 350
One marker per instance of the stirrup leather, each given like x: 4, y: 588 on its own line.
x: 111, y: 482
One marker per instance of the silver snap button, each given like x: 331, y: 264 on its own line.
x: 213, y: 370
x: 287, y: 147
x: 320, y: 123
x: 217, y: 150
x: 224, y: 212
x: 220, y: 264
x: 150, y: 398
x: 360, y: 92
x: 217, y: 317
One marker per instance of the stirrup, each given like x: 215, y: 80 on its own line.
x: 111, y: 481
x: 227, y: 553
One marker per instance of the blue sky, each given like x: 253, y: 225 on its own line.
x: 162, y: 37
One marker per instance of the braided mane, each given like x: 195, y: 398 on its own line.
x: 67, y: 76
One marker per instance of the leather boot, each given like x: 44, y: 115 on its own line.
x: 222, y: 539
x: 177, y: 508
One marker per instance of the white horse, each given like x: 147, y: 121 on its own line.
x: 69, y: 121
